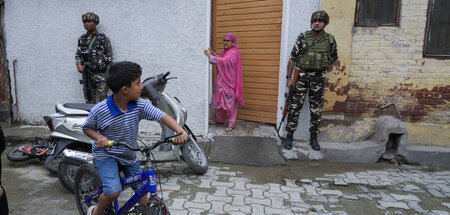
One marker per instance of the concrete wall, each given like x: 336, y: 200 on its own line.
x: 296, y: 19
x: 159, y: 35
x: 388, y: 66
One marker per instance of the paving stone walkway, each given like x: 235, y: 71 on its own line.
x: 222, y: 190
x: 295, y: 188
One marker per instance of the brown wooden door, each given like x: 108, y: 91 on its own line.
x: 257, y: 26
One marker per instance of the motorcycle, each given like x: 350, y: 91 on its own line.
x: 191, y: 152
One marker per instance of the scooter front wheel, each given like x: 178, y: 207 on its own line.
x: 66, y: 174
x: 194, y: 156
x: 52, y: 163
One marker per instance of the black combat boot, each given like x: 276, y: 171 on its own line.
x: 288, y: 141
x: 314, y: 143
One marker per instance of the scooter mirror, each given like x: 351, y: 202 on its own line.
x: 167, y: 74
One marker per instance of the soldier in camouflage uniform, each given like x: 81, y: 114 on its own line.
x: 94, y: 54
x: 313, y: 54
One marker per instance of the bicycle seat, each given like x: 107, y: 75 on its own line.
x: 81, y: 106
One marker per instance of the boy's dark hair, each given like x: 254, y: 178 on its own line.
x: 122, y: 74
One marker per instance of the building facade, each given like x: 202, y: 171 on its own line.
x: 385, y: 60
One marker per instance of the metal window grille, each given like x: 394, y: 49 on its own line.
x: 437, y: 33
x: 377, y: 13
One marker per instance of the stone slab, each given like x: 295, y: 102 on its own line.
x: 254, y: 151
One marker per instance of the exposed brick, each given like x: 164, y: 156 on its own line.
x: 446, y: 95
x: 412, y: 112
x: 427, y: 101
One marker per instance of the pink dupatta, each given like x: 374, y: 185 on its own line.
x: 228, y: 87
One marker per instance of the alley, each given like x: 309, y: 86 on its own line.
x: 295, y: 188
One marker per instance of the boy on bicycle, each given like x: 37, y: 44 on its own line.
x: 117, y: 118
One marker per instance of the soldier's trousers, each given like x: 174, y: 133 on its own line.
x: 94, y: 87
x: 314, y: 82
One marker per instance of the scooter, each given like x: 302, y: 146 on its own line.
x: 68, y: 131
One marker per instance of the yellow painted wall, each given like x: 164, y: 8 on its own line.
x: 385, y: 65
x: 388, y: 67
x: 340, y: 26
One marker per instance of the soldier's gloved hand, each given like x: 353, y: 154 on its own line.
x: 80, y: 68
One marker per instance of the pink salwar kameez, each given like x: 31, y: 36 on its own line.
x: 228, y: 90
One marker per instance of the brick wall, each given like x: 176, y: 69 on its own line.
x: 388, y: 67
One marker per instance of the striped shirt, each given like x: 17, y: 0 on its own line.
x: 110, y: 121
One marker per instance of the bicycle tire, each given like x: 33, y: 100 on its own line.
x: 86, y: 182
x: 157, y: 207
x: 16, y: 154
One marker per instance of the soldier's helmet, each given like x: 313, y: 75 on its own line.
x: 320, y: 15
x: 89, y: 16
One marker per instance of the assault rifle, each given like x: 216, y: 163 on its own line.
x: 288, y: 97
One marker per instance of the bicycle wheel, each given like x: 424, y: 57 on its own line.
x: 86, y: 182
x: 20, y: 153
x: 156, y: 206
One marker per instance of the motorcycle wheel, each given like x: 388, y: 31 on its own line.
x: 17, y: 153
x: 52, y: 163
x: 66, y: 175
x: 195, y: 157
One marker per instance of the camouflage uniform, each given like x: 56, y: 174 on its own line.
x: 95, y: 63
x: 311, y: 79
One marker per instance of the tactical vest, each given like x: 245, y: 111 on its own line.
x: 315, y: 55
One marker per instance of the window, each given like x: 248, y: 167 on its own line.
x: 437, y: 33
x: 377, y: 12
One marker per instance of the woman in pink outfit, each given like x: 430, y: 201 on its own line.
x: 228, y: 92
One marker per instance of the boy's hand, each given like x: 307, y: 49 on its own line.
x: 102, y: 142
x: 182, y: 139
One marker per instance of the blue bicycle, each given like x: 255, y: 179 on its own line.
x: 88, y: 186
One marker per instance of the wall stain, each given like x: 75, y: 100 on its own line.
x: 412, y: 103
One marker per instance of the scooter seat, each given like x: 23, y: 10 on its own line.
x: 70, y: 111
x: 80, y: 106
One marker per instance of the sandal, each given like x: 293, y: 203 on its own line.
x: 214, y: 122
x: 228, y: 129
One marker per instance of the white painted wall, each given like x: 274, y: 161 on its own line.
x: 160, y: 35
x: 296, y: 19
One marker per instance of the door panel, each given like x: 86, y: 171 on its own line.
x: 257, y: 26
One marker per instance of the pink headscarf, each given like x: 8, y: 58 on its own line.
x: 230, y: 68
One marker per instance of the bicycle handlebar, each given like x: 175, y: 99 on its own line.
x: 156, y: 144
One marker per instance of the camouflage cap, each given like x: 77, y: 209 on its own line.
x: 320, y: 15
x: 89, y: 16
